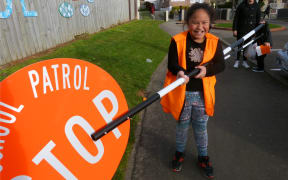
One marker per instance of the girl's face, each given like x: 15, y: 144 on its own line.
x: 198, y: 25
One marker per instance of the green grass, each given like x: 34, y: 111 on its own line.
x: 122, y: 52
x: 271, y: 26
x: 229, y: 25
x: 224, y: 25
x: 145, y: 15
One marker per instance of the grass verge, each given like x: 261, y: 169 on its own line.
x: 122, y: 51
x: 229, y: 25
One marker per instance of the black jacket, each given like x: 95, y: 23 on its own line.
x: 246, y: 18
x: 266, y: 35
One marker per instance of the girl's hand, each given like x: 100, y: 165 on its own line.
x: 202, y: 72
x: 181, y: 74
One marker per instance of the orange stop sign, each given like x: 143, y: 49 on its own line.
x: 48, y: 111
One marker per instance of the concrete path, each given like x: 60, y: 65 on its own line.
x: 248, y: 136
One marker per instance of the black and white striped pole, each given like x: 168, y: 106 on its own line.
x: 245, y: 45
x: 109, y: 127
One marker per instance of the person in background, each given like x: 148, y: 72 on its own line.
x: 267, y: 11
x: 193, y: 102
x: 266, y: 40
x: 247, y: 17
x: 180, y: 13
x: 152, y: 10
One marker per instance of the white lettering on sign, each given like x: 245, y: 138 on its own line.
x: 66, y: 73
x: 13, y: 118
x: 78, y: 80
x: 46, y: 154
x: 22, y: 177
x: 34, y: 81
x: 46, y: 81
x: 77, y: 120
x: 1, y: 147
x: 1, y: 155
x: 3, y: 130
x: 19, y: 109
x: 77, y: 86
x: 107, y: 116
x: 55, y: 66
x: 85, y: 80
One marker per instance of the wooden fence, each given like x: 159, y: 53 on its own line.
x: 31, y: 26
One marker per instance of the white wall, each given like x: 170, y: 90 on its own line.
x: 22, y: 35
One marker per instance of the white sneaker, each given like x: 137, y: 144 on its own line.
x: 236, y: 65
x: 245, y: 65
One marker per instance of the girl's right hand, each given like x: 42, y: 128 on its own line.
x: 181, y: 74
x: 267, y: 44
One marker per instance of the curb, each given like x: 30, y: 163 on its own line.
x: 278, y: 29
x: 132, y: 158
x: 222, y: 28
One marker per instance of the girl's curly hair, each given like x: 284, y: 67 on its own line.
x: 193, y: 8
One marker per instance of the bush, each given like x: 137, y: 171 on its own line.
x: 171, y: 14
x: 226, y: 5
x: 261, y: 4
x: 176, y: 9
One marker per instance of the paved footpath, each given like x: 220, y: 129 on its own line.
x: 248, y: 136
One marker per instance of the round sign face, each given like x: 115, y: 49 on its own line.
x: 48, y: 111
x: 66, y: 10
x: 84, y: 9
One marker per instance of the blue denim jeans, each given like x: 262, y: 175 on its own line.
x: 193, y: 113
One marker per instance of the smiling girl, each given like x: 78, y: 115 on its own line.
x: 193, y: 102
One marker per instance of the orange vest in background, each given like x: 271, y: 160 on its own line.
x: 173, y: 102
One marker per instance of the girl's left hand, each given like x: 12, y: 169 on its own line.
x: 202, y: 72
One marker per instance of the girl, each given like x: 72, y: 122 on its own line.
x: 193, y: 102
x: 266, y: 40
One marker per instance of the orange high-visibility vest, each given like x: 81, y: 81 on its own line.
x: 173, y: 102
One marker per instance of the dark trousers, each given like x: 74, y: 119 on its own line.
x: 239, y: 54
x: 260, y: 61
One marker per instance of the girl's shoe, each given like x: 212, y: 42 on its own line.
x: 205, y: 164
x: 177, y: 161
x: 257, y: 69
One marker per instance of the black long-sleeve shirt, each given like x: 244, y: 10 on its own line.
x: 194, y: 56
x: 265, y: 31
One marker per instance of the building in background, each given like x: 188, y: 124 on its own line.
x: 167, y: 3
x: 184, y: 2
x: 279, y: 9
